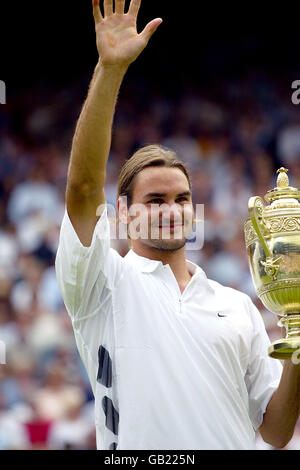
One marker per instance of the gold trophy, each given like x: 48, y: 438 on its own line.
x: 273, y: 245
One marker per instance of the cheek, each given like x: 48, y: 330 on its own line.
x: 153, y: 215
x: 146, y: 221
x: 188, y: 213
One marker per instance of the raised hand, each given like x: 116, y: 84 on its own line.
x: 118, y: 41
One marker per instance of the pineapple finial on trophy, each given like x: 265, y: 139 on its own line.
x: 282, y: 179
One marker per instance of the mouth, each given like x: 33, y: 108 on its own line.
x: 172, y: 226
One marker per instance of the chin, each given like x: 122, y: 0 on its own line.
x: 168, y: 245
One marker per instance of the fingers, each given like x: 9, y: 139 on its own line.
x: 108, y: 7
x: 150, y: 29
x: 96, y: 12
x: 134, y: 7
x: 120, y: 6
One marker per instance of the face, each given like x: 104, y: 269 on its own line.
x: 161, y: 213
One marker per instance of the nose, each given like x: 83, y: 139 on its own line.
x: 172, y: 212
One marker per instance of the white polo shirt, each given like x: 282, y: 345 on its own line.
x: 169, y: 370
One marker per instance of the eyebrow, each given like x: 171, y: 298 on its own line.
x: 185, y: 193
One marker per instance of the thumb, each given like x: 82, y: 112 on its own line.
x: 150, y: 29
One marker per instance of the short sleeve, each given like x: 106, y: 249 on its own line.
x: 83, y: 273
x: 264, y: 373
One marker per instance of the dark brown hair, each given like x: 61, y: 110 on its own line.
x: 152, y: 155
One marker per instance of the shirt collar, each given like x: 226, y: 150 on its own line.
x: 147, y: 265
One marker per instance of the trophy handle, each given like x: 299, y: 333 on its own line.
x: 256, y: 209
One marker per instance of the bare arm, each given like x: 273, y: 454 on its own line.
x: 118, y: 45
x: 283, y: 409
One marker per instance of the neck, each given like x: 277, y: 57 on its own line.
x: 176, y: 259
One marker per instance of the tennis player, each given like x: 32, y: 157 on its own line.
x: 175, y: 360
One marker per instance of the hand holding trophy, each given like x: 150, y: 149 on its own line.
x: 273, y: 244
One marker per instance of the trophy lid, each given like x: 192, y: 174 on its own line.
x: 283, y: 189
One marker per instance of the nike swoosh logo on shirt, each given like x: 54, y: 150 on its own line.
x: 219, y: 315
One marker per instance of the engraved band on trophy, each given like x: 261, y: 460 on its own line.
x: 273, y: 245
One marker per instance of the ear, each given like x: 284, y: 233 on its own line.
x: 122, y: 210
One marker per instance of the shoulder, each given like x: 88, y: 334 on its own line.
x: 229, y: 292
x: 234, y: 298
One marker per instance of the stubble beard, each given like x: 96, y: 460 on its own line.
x: 167, y: 245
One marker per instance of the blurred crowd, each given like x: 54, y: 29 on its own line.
x: 232, y: 137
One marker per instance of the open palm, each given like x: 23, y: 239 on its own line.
x: 118, y: 41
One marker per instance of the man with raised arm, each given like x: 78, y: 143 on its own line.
x: 175, y: 360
